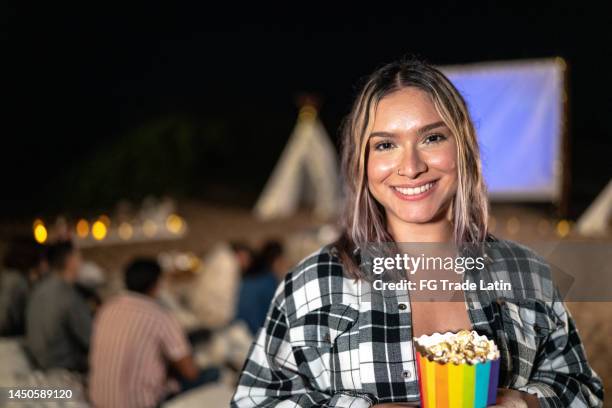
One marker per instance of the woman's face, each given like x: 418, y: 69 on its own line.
x: 411, y: 168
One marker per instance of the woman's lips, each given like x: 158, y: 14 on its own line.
x: 414, y: 194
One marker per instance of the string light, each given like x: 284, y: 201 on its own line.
x: 307, y: 112
x: 125, y: 231
x: 82, y: 228
x: 99, y: 230
x: 174, y: 224
x: 563, y: 228
x: 40, y: 231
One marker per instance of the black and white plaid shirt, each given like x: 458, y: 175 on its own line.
x: 325, y: 345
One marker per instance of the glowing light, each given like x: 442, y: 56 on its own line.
x: 175, y: 224
x: 182, y: 262
x: 40, y: 231
x: 513, y: 225
x: 105, y: 219
x: 186, y: 261
x: 194, y: 261
x: 99, y: 230
x: 125, y: 231
x: 149, y: 228
x: 563, y: 228
x: 308, y: 112
x: 82, y: 228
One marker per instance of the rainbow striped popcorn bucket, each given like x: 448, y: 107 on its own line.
x: 446, y: 384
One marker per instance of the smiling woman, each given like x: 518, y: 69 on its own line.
x: 410, y: 128
x: 412, y: 174
x: 412, y: 157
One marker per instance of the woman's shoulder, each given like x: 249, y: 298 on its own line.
x: 317, y: 281
x: 527, y: 271
x: 324, y: 260
x: 508, y: 251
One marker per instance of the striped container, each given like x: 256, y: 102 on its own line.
x: 457, y: 385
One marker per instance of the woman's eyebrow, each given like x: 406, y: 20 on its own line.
x: 420, y: 132
x: 382, y: 134
x: 429, y: 127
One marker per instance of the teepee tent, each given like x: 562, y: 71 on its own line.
x: 307, y: 173
x: 595, y: 220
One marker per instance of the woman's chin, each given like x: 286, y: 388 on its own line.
x: 420, y: 218
x: 423, y: 214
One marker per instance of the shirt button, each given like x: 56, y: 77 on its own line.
x: 407, y: 374
x: 326, y: 337
x: 402, y: 306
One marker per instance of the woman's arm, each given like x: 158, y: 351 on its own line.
x: 562, y: 376
x: 270, y: 377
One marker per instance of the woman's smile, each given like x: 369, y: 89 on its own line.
x: 418, y: 192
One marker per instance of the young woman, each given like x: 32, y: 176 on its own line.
x: 412, y: 173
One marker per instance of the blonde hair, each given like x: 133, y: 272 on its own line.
x: 363, y: 218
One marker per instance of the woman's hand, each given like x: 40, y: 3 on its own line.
x: 515, y: 399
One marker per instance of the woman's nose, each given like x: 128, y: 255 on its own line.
x: 412, y: 164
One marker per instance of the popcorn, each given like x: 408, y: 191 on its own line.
x: 470, y: 378
x: 458, y: 348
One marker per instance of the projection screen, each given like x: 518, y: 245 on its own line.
x: 518, y: 110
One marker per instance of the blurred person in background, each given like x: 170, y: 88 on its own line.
x: 58, y: 321
x: 244, y: 255
x: 137, y: 343
x: 212, y: 296
x: 273, y: 258
x: 24, y: 264
x: 259, y: 283
x: 89, y: 281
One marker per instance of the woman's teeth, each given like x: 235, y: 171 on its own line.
x: 416, y: 190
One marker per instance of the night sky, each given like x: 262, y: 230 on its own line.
x: 84, y: 85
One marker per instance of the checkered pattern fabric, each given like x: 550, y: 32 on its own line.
x: 331, y: 341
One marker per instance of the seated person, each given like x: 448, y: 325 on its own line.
x: 258, y: 285
x: 24, y: 263
x: 58, y: 321
x: 134, y: 341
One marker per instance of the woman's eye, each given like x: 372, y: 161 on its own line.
x: 434, y: 138
x: 383, y: 146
